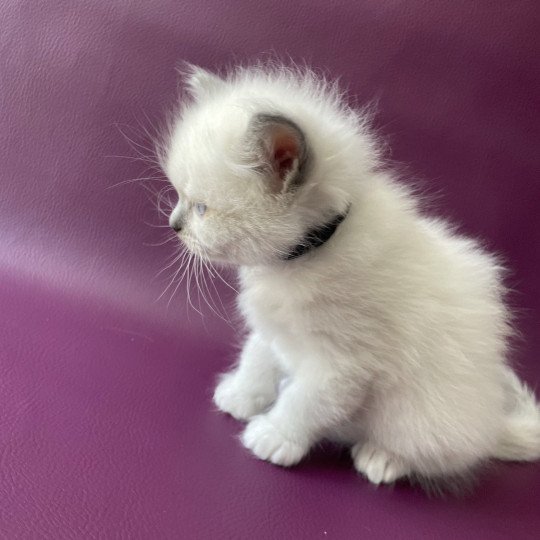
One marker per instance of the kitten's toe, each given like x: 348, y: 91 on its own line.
x: 268, y: 443
x: 379, y: 466
x: 237, y: 398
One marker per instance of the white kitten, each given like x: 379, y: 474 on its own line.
x: 390, y: 328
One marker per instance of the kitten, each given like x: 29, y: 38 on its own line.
x: 390, y: 328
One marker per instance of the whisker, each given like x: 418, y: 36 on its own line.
x: 156, y: 139
x: 157, y: 226
x: 224, y: 311
x: 175, y: 274
x: 158, y: 244
x: 189, y: 277
x: 196, y: 271
x: 137, y: 147
x: 144, y: 159
x: 222, y: 279
x: 176, y: 258
x: 138, y: 179
x: 207, y: 296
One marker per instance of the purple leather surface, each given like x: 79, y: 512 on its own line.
x: 106, y: 423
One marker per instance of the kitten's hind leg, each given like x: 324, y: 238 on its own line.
x: 378, y: 465
x: 252, y: 387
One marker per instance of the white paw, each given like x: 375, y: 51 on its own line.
x: 268, y: 443
x: 378, y: 465
x: 233, y: 396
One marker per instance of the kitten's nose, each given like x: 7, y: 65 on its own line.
x: 175, y: 219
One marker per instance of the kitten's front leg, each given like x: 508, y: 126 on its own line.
x: 252, y: 386
x: 306, y: 410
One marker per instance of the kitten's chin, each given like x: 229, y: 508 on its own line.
x: 230, y: 255
x: 206, y: 254
x: 239, y: 259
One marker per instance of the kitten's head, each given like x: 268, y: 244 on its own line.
x: 256, y: 160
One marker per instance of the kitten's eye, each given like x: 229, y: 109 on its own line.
x: 200, y: 208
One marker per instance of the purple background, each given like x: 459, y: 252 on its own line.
x: 107, y: 428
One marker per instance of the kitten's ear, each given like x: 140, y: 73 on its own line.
x: 199, y: 81
x: 281, y: 150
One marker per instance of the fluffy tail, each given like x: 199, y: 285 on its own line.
x: 520, y: 440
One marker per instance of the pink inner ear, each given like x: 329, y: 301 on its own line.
x: 286, y: 151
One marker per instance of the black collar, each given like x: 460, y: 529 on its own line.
x: 316, y: 237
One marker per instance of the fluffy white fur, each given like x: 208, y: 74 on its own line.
x: 392, y: 336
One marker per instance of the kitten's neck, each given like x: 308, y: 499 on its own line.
x: 316, y: 236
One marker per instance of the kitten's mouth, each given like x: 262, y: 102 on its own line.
x: 197, y: 249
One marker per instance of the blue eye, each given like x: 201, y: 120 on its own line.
x: 201, y: 209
